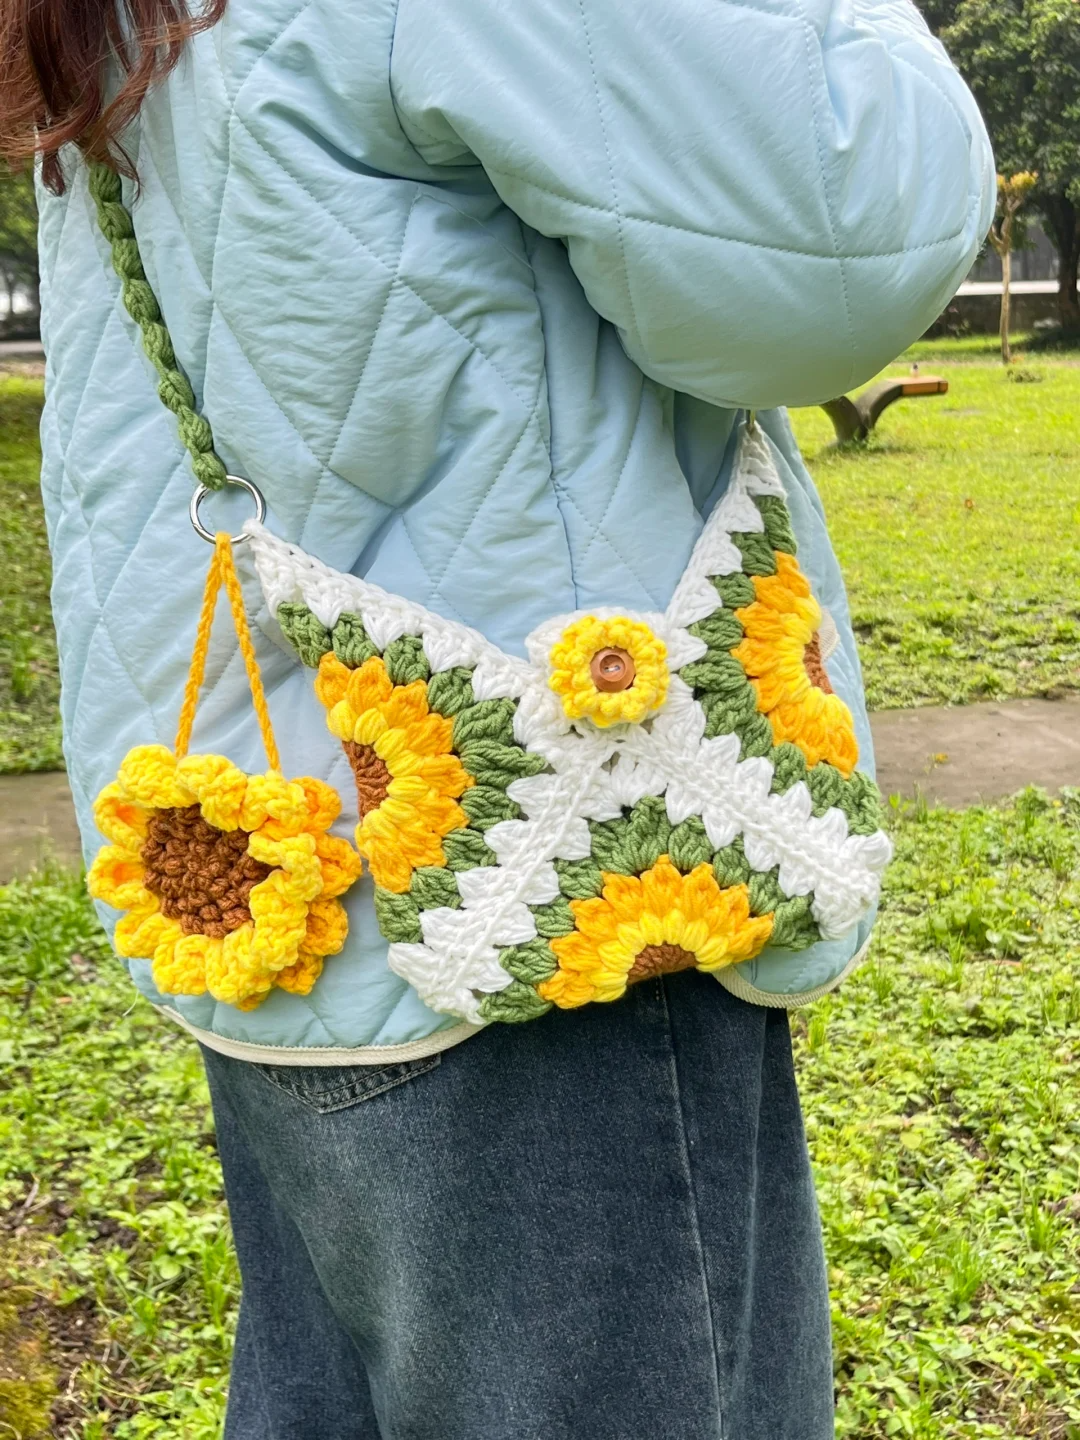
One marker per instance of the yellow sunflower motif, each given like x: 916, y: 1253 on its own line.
x: 781, y: 654
x: 609, y: 671
x: 408, y: 780
x: 652, y: 924
x: 229, y: 881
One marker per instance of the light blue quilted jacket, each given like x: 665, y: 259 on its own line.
x: 474, y: 291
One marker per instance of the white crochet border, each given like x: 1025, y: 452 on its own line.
x: 593, y: 774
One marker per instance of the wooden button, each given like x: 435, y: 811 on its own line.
x: 612, y: 670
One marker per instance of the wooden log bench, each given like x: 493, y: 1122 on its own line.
x: 854, y: 419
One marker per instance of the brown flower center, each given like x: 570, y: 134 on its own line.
x: 202, y: 876
x: 370, y: 773
x: 815, y: 666
x: 660, y: 960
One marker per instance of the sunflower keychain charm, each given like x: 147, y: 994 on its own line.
x: 229, y: 881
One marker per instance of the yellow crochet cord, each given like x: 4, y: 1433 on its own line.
x: 223, y: 572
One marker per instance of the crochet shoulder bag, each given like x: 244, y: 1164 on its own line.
x: 645, y: 793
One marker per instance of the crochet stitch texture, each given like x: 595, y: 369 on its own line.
x: 536, y: 841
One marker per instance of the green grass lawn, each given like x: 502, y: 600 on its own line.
x: 29, y: 682
x: 940, y: 1087
x: 958, y: 527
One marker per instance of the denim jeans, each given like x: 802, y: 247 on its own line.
x: 600, y: 1225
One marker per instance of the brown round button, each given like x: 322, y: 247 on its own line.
x: 612, y: 670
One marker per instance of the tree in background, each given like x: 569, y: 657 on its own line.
x: 18, y: 235
x: 1011, y: 196
x: 1022, y: 61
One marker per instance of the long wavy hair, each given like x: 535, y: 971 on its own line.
x: 54, y: 58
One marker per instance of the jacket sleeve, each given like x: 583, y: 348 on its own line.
x: 769, y: 198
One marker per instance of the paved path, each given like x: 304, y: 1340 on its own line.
x: 960, y: 756
x: 956, y: 757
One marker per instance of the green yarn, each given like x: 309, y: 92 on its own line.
x: 608, y: 847
x: 307, y: 635
x: 826, y: 786
x: 765, y: 892
x: 398, y: 917
x: 405, y: 660
x: 579, y: 879
x: 450, y: 691
x: 553, y: 920
x: 485, y: 720
x: 720, y: 631
x: 491, y: 763
x: 689, y: 846
x: 350, y: 640
x: 789, y: 767
x: 533, y: 962
x: 777, y: 523
x: 487, y: 805
x: 174, y: 389
x: 518, y: 1002
x: 727, y: 715
x: 648, y: 833
x: 757, y: 553
x: 735, y: 590
x: 467, y: 850
x: 757, y: 738
x: 794, y: 926
x: 731, y: 866
x: 434, y: 888
x: 720, y: 676
x: 863, y: 809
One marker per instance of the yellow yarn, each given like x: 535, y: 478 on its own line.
x: 296, y: 917
x: 571, y: 674
x: 779, y: 625
x: 222, y: 571
x: 422, y: 777
x: 662, y: 907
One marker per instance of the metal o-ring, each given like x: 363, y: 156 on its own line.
x: 200, y: 495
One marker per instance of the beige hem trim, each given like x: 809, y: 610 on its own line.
x: 325, y: 1054
x: 733, y: 981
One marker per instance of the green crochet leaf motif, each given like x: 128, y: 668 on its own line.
x: 307, y: 635
x: 351, y: 643
x: 517, y: 1003
x: 405, y: 660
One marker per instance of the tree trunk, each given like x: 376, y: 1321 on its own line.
x: 1006, y: 282
x: 1063, y: 221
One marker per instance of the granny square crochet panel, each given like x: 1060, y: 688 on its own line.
x: 646, y: 792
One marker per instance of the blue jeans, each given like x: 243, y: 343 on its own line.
x: 597, y: 1226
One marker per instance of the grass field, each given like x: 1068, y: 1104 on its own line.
x: 958, y: 527
x: 940, y: 1089
x: 29, y: 683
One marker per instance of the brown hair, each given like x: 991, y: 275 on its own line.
x: 53, y: 56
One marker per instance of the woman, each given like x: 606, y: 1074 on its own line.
x: 478, y: 293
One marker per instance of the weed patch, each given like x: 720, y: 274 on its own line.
x: 29, y: 677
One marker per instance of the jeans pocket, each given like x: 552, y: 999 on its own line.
x: 326, y: 1088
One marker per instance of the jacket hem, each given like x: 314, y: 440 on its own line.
x: 743, y: 990
x: 325, y: 1054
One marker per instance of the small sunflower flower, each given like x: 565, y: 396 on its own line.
x: 781, y: 654
x: 652, y: 924
x: 609, y: 671
x: 408, y: 779
x: 229, y: 881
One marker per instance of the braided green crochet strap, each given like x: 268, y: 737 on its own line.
x: 173, y: 388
